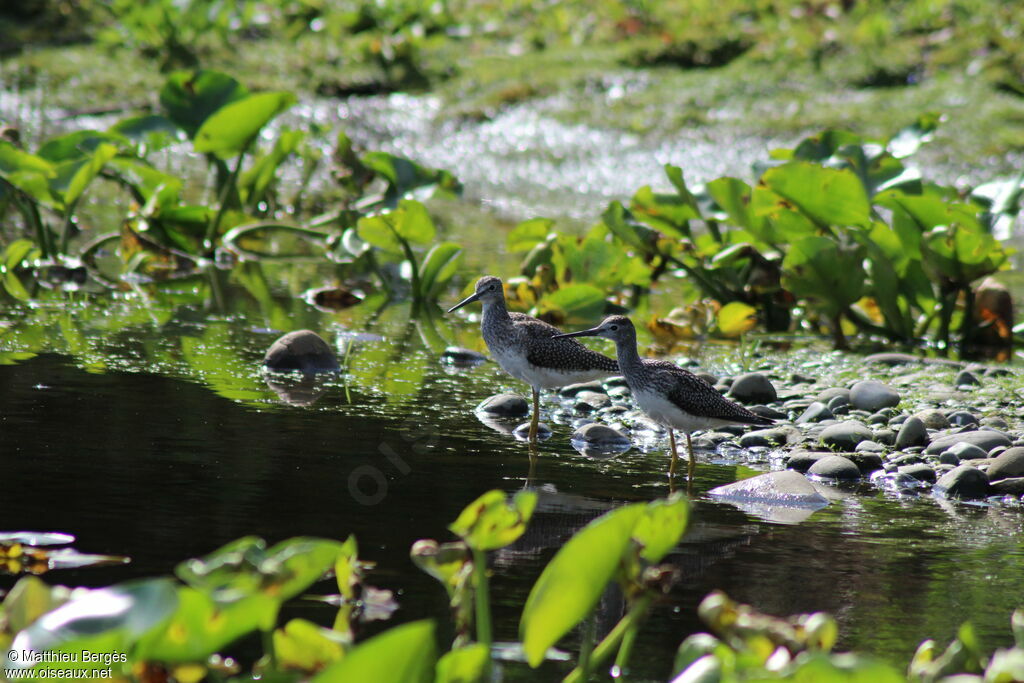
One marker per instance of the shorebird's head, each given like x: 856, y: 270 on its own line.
x: 618, y: 328
x: 488, y: 290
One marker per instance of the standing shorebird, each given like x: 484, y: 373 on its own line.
x: 528, y: 349
x: 672, y: 396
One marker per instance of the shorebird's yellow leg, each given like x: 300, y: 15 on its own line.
x: 691, y: 466
x: 535, y: 420
x: 675, y: 456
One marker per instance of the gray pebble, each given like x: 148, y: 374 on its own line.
x: 962, y: 418
x: 933, y: 419
x: 906, y: 459
x: 801, y: 461
x: 302, y: 350
x: 835, y: 467
x: 966, y: 378
x: 963, y: 482
x: 912, y: 433
x: 920, y: 471
x: 871, y: 395
x: 845, y: 436
x: 1009, y: 464
x: 588, y: 401
x: 522, y: 432
x: 829, y: 395
x: 707, y: 377
x: 869, y: 447
x: 884, y: 436
x: 505, y: 405
x: 1013, y: 486
x: 753, y: 387
x: 865, y: 462
x: 949, y: 458
x: 986, y: 439
x: 574, y: 389
x: 815, y: 412
x: 967, y: 451
x: 601, y: 436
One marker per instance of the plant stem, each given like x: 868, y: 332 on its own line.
x: 211, y: 230
x: 268, y: 646
x: 948, y: 302
x: 587, y: 636
x: 967, y: 323
x: 482, y: 599
x: 622, y: 659
x: 611, y: 641
x: 68, y: 224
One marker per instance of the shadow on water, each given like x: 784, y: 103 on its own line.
x: 150, y: 432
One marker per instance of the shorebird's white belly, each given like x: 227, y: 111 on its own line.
x: 664, y: 412
x: 515, y: 364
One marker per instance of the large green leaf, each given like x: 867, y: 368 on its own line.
x: 30, y: 599
x: 189, y: 97
x: 405, y: 176
x: 491, y: 521
x: 255, y: 182
x: 961, y: 253
x: 733, y: 196
x: 78, y: 145
x: 200, y: 626
x: 528, y: 234
x: 826, y: 195
x: 229, y: 131
x: 633, y: 234
x: 668, y: 213
x: 404, y: 654
x: 661, y: 526
x: 438, y: 267
x: 574, y: 303
x: 822, y: 146
x: 910, y: 139
x: 156, y: 131
x: 85, y: 172
x: 464, y: 665
x: 819, y: 269
x: 304, y: 646
x: 574, y: 580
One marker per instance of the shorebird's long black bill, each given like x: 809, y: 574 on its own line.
x: 468, y: 300
x: 592, y: 332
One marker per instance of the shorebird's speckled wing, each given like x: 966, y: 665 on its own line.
x: 695, y: 396
x: 558, y: 354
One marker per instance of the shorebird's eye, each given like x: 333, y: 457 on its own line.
x: 613, y: 328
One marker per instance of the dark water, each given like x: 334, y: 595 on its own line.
x: 149, y: 432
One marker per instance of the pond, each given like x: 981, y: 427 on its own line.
x: 142, y: 425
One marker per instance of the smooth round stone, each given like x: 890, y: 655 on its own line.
x: 835, y: 467
x: 919, y: 471
x: 589, y: 401
x: 912, y: 433
x: 1013, y: 486
x: 801, y: 461
x: 797, y: 378
x: 885, y: 436
x: 933, y: 419
x: 898, y: 420
x: 966, y: 378
x: 963, y: 482
x: 617, y: 381
x: 505, y: 405
x: 967, y: 451
x: 869, y: 447
x: 769, y: 412
x: 906, y: 459
x: 949, y: 458
x: 841, y: 409
x: 646, y: 424
x: 707, y: 377
x: 570, y: 390
x: 943, y: 467
x: 962, y: 418
x: 620, y: 392
x: 786, y: 488
x: 522, y: 432
x: 826, y: 396
x: 879, y: 418
x: 753, y: 387
x: 718, y: 437
x: 986, y: 439
x: 995, y: 423
x: 845, y: 436
x: 456, y: 355
x: 764, y: 438
x: 615, y: 410
x: 1009, y: 463
x: 302, y: 350
x: 865, y: 462
x: 816, y: 412
x: 892, y: 358
x: 871, y: 395
x: 600, y: 436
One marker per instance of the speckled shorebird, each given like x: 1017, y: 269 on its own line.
x: 528, y: 349
x: 672, y: 396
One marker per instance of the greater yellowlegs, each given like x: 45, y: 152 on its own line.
x: 528, y: 349
x: 672, y: 396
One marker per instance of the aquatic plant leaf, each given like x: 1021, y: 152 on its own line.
x: 826, y: 195
x: 85, y: 171
x: 961, y: 253
x: 735, y: 318
x: 404, y: 177
x: 230, y: 567
x: 574, y: 303
x: 733, y: 196
x: 574, y: 580
x: 12, y: 257
x: 909, y: 140
x: 15, y: 160
x: 439, y: 265
x: 449, y: 563
x: 28, y: 600
x: 404, y: 654
x: 463, y: 665
x: 155, y: 131
x: 229, y: 131
x: 105, y: 620
x: 346, y: 568
x: 78, y: 145
x: 190, y: 97
x: 304, y: 646
x: 200, y: 626
x: 295, y: 564
x: 668, y: 213
x: 819, y: 269
x: 661, y: 526
x: 144, y: 181
x: 492, y: 521
x: 528, y: 234
x: 847, y: 668
x: 822, y: 146
x: 636, y: 235
x: 254, y: 183
x: 675, y: 176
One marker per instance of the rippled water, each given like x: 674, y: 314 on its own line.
x: 147, y: 430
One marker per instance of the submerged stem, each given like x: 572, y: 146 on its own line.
x: 611, y: 641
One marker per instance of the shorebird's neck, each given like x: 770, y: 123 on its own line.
x: 496, y: 324
x: 629, y: 359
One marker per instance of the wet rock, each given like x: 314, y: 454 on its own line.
x: 589, y: 401
x: 784, y: 496
x: 302, y: 350
x: 933, y: 419
x: 906, y: 459
x: 571, y: 390
x: 707, y: 377
x: 753, y: 387
x: 884, y: 436
x: 1013, y: 486
x: 600, y: 436
x: 801, y: 461
x: 967, y: 451
x: 505, y: 405
x: 892, y: 358
x: 986, y: 439
x: 869, y: 447
x: 949, y: 458
x: 620, y: 392
x: 816, y: 412
x: 1009, y: 463
x: 769, y: 412
x: 963, y: 482
x: 835, y: 467
x: 522, y: 432
x: 828, y: 395
x: 456, y: 355
x: 865, y: 462
x: 919, y: 471
x: 617, y: 381
x: 966, y: 378
x: 797, y: 378
x: 871, y: 396
x: 646, y: 424
x: 995, y: 423
x: 962, y: 418
x: 912, y: 433
x: 845, y: 436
